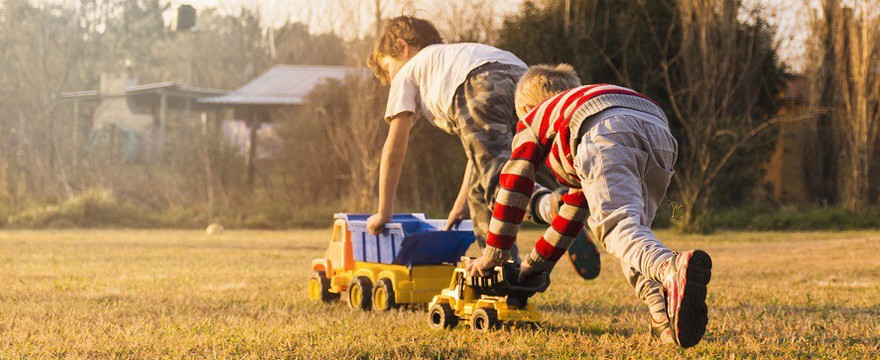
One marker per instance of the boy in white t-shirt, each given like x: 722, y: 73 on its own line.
x: 464, y: 89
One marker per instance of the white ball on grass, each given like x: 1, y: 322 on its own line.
x: 214, y: 229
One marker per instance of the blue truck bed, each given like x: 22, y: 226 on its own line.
x: 409, y: 239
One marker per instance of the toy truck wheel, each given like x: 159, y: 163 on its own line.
x: 360, y: 293
x: 319, y: 288
x: 485, y: 320
x: 441, y: 316
x: 383, y: 296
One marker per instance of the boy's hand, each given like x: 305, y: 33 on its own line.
x: 456, y: 216
x: 481, y: 266
x: 525, y: 270
x: 376, y: 224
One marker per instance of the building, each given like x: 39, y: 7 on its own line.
x: 135, y: 122
x: 785, y: 171
x: 793, y: 161
x: 262, y: 100
x: 140, y: 123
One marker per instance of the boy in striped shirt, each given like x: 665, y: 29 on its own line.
x: 612, y: 147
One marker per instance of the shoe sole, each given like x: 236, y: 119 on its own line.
x: 584, y: 257
x: 693, y: 315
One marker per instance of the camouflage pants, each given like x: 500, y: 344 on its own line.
x: 485, y: 121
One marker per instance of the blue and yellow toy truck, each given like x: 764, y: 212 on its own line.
x: 407, y: 264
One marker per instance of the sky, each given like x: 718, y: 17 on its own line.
x: 791, y: 17
x: 348, y: 18
x: 351, y: 18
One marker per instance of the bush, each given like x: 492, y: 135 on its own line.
x: 667, y: 213
x: 91, y: 208
x: 4, y: 214
x: 100, y: 208
x: 767, y: 217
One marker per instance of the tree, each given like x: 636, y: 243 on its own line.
x: 714, y: 83
x: 466, y: 21
x: 350, y: 114
x: 850, y: 86
x: 295, y: 45
x: 536, y: 35
x: 717, y: 78
x: 822, y: 138
x: 39, y: 48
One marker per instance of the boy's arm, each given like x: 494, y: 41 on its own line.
x: 515, y: 186
x: 393, y: 154
x: 460, y: 209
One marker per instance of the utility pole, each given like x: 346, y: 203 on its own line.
x: 567, y: 18
x: 378, y: 18
x: 187, y: 25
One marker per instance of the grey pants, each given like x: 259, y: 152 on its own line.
x: 625, y: 161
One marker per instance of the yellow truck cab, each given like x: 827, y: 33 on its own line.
x: 407, y: 264
x: 487, y: 302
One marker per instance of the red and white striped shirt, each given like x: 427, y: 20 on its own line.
x: 549, y: 134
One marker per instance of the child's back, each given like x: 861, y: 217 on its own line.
x: 430, y: 79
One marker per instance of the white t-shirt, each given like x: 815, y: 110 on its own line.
x: 428, y: 81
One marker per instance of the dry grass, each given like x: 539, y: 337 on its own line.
x: 174, y: 294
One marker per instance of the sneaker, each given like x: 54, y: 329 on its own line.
x: 556, y: 201
x: 544, y: 205
x: 660, y: 329
x: 686, y: 278
x: 584, y: 256
x: 536, y: 203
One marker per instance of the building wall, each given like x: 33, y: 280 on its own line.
x: 786, y: 171
x: 113, y: 110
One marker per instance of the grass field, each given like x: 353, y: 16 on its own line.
x: 181, y: 294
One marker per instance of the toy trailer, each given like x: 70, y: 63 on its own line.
x: 487, y: 302
x: 407, y: 264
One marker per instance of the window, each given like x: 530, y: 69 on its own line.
x: 338, y: 232
x: 460, y: 287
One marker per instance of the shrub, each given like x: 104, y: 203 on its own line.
x: 91, y: 208
x: 766, y: 217
x: 4, y: 214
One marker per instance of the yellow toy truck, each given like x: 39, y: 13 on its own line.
x: 407, y: 264
x: 487, y: 302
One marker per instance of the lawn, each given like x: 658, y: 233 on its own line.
x: 181, y: 294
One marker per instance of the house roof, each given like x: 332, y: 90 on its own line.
x: 283, y: 85
x: 173, y: 88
